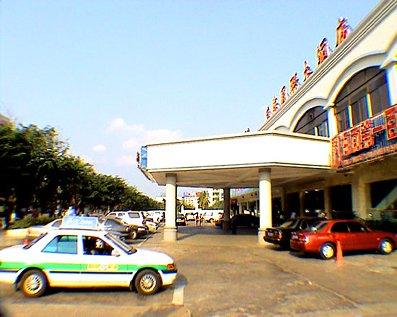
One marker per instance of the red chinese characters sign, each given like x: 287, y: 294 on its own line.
x: 358, y: 143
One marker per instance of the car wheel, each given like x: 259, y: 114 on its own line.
x: 385, y: 246
x: 33, y: 283
x: 327, y: 251
x: 133, y: 235
x: 147, y: 282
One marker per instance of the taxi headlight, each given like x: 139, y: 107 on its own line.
x: 171, y: 267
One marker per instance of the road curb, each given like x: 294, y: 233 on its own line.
x: 9, y: 309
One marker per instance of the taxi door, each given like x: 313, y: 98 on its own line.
x: 101, y: 266
x: 60, y: 261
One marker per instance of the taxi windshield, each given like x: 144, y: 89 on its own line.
x: 27, y: 246
x: 122, y: 245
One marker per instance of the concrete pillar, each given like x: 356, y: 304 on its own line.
x: 283, y: 196
x: 226, y: 209
x: 240, y: 208
x: 301, y: 203
x: 361, y: 198
x: 327, y: 201
x: 170, y: 230
x: 265, y: 203
x: 391, y: 74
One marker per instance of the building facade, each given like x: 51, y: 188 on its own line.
x: 327, y: 145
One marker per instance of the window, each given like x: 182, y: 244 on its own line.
x: 340, y: 227
x: 363, y: 96
x: 133, y: 215
x: 96, y: 246
x: 356, y: 227
x: 314, y: 122
x: 62, y: 244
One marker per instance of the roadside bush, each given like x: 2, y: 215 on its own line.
x: 30, y: 221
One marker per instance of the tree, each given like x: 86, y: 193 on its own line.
x: 203, y: 200
x: 37, y: 170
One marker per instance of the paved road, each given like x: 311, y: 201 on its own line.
x: 230, y: 275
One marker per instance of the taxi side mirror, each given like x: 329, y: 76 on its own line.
x: 115, y: 253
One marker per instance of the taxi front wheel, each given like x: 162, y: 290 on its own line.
x: 147, y: 282
x: 33, y: 283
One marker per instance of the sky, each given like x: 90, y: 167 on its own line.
x: 112, y: 76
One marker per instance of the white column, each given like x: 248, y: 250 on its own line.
x: 390, y: 65
x: 332, y: 123
x: 265, y: 203
x: 240, y: 208
x: 226, y: 209
x: 327, y: 201
x: 170, y: 231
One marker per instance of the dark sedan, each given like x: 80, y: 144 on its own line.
x: 282, y: 234
x: 243, y: 221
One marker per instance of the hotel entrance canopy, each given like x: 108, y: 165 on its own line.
x: 234, y: 161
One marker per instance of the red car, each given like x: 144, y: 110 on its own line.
x: 352, y: 235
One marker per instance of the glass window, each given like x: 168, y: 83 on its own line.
x: 314, y: 120
x: 368, y: 82
x: 96, y: 246
x: 340, y: 227
x: 379, y: 99
x: 356, y: 227
x: 133, y: 214
x: 62, y: 244
x: 359, y: 110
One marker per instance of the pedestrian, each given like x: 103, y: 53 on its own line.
x: 201, y: 219
x: 197, y: 219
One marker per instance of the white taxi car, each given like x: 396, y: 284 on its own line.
x: 84, y: 258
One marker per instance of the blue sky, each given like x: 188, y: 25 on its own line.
x: 111, y: 76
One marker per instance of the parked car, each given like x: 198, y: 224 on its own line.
x: 212, y: 215
x: 131, y: 217
x: 122, y: 229
x: 35, y: 231
x: 136, y: 218
x: 190, y: 216
x: 281, y: 235
x: 180, y: 220
x: 156, y: 216
x: 352, y: 235
x: 219, y: 222
x: 83, y: 258
x: 152, y: 226
x: 243, y: 221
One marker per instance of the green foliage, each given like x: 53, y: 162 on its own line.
x: 203, y: 200
x: 37, y: 170
x: 217, y: 205
x: 30, y: 221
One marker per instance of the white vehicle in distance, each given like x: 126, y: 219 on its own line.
x: 212, y: 215
x: 156, y: 215
x: 82, y: 257
x: 35, y: 231
x: 136, y: 218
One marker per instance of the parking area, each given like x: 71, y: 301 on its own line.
x: 231, y: 275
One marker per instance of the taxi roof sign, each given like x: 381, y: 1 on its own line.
x: 76, y: 222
